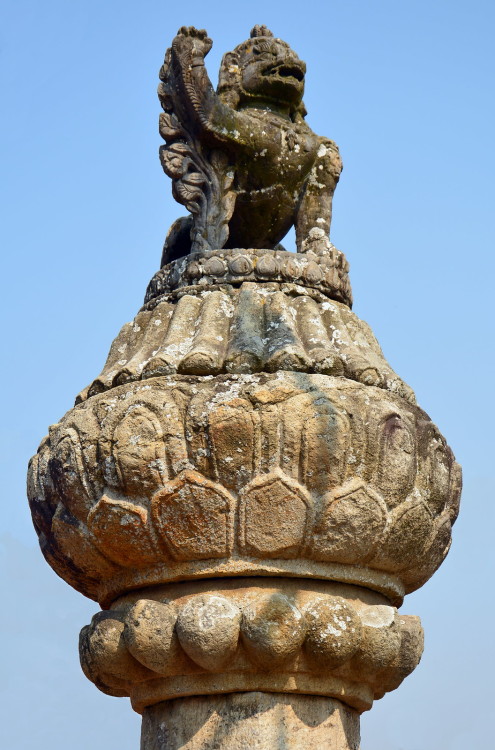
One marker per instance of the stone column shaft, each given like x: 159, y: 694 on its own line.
x: 250, y: 721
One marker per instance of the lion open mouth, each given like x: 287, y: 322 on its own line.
x: 286, y: 71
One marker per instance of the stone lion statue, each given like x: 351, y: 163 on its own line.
x: 242, y: 159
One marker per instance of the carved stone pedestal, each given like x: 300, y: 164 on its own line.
x: 250, y: 721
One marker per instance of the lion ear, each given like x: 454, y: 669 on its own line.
x: 229, y: 80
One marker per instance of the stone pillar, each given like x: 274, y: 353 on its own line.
x: 254, y: 720
x: 247, y: 489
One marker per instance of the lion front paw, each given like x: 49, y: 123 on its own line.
x: 193, y: 41
x: 316, y: 242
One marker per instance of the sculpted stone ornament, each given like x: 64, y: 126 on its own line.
x: 243, y: 160
x: 247, y: 489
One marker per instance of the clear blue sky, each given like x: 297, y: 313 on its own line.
x: 406, y: 90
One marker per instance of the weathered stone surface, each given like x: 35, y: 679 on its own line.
x: 289, y: 474
x: 275, y: 516
x: 254, y: 720
x: 256, y: 328
x: 334, y: 632
x: 252, y: 634
x: 105, y: 658
x: 194, y: 517
x: 324, y: 274
x: 352, y: 523
x: 208, y: 628
x: 150, y: 635
x: 273, y: 630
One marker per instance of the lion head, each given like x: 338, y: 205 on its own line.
x: 263, y: 68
